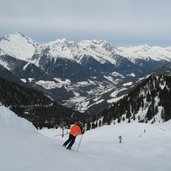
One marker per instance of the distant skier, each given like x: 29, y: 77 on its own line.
x: 120, y: 139
x: 76, y: 129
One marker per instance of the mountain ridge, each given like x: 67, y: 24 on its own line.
x: 126, y: 51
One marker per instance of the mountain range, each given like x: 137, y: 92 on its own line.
x: 87, y: 76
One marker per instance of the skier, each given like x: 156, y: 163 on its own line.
x: 120, y: 139
x: 76, y: 129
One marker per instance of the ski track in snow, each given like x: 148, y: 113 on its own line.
x: 22, y: 148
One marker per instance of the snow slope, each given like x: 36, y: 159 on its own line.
x: 23, y: 148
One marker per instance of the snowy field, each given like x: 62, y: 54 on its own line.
x: 145, y: 147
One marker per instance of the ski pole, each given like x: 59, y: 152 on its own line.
x: 79, y: 142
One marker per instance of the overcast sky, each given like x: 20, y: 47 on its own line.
x: 121, y: 22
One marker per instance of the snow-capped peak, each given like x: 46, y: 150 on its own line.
x: 96, y: 44
x: 101, y: 50
x: 62, y: 41
x: 60, y: 48
x: 18, y: 45
x: 145, y: 52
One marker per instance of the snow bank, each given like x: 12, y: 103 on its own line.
x: 10, y: 121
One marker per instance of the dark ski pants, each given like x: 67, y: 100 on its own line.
x: 69, y: 141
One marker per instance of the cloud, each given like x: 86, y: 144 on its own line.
x: 129, y: 19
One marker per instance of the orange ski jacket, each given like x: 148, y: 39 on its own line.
x: 75, y: 130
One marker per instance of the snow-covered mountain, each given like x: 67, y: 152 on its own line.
x: 23, y: 47
x: 145, y: 52
x: 23, y: 148
x: 18, y: 46
x: 88, y: 75
x: 101, y: 51
x: 149, y: 102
